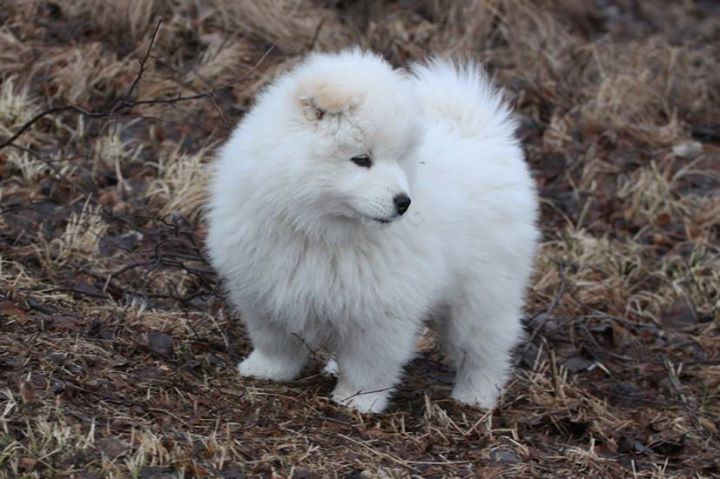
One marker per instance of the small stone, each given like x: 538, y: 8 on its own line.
x: 58, y: 387
x: 216, y: 361
x: 232, y: 472
x: 577, y: 364
x: 160, y: 343
x: 688, y: 150
x: 111, y: 447
x: 157, y: 473
x: 57, y: 358
x: 504, y: 456
x: 301, y: 473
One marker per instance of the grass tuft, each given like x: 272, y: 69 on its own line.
x: 118, y: 349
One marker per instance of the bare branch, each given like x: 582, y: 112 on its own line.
x: 128, y: 95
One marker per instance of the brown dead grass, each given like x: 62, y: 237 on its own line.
x: 117, y: 352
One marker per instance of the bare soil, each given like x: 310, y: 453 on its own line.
x: 118, y: 353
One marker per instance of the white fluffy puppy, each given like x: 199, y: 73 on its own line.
x: 355, y: 201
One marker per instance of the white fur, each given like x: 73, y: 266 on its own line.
x: 294, y: 230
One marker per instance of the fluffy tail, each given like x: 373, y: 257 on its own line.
x: 463, y: 96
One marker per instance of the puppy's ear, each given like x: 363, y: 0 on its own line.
x: 310, y: 109
x: 320, y: 99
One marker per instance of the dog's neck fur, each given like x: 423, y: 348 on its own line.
x: 338, y: 231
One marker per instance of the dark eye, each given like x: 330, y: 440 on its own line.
x: 363, y: 160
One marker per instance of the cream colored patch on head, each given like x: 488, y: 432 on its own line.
x: 332, y: 98
x: 318, y: 98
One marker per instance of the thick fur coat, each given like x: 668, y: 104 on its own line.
x: 355, y: 201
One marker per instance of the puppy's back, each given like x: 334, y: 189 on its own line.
x: 462, y: 97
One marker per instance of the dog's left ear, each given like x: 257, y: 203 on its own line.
x: 319, y: 100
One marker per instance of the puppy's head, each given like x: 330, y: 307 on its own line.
x: 355, y: 123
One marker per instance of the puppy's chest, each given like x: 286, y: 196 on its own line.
x: 309, y: 281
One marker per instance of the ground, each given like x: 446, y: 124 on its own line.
x: 118, y: 352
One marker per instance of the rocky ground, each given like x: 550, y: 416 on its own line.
x: 117, y: 352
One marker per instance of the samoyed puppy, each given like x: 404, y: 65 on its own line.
x: 355, y: 201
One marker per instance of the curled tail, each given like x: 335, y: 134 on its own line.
x: 464, y: 97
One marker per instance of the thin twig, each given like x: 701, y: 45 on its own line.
x: 559, y: 293
x: 126, y: 103
x: 677, y: 387
x: 135, y: 82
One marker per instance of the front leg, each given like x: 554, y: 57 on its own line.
x: 370, y: 363
x: 277, y: 354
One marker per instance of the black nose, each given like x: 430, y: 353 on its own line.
x: 402, y: 202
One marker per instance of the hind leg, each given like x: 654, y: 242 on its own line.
x: 479, y: 335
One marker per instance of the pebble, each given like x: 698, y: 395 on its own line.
x: 688, y: 150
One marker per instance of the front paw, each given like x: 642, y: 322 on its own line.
x: 330, y: 369
x: 369, y: 402
x: 262, y: 366
x: 484, y: 395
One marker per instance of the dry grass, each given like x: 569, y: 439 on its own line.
x: 117, y: 352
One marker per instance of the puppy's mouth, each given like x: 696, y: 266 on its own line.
x: 375, y: 220
x: 372, y: 220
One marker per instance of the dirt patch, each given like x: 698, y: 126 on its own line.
x: 117, y: 353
